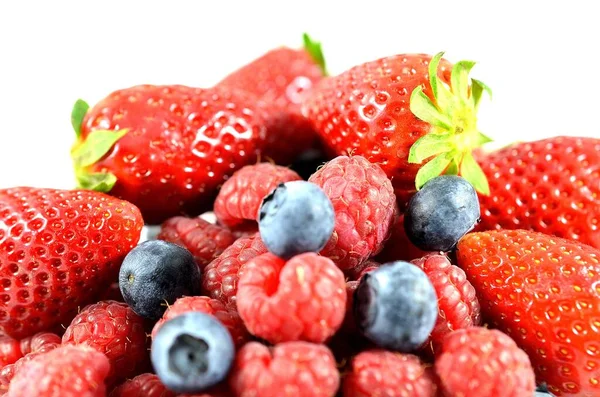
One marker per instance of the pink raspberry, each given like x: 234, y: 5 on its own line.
x: 240, y: 197
x: 301, y: 299
x: 382, y: 373
x: 221, y: 275
x: 288, y: 369
x: 115, y: 330
x: 29, y: 348
x: 229, y: 318
x: 203, y: 239
x: 144, y: 385
x: 67, y: 371
x: 457, y: 303
x: 365, y: 205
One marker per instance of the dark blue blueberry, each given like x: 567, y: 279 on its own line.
x: 294, y: 218
x: 155, y: 273
x: 395, y: 306
x: 192, y: 352
x: 441, y: 213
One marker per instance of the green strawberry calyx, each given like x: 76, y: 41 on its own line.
x: 86, y: 152
x: 315, y: 50
x: 453, y: 116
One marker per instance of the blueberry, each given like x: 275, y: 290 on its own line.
x: 294, y: 218
x: 442, y: 212
x: 395, y: 306
x: 192, y: 352
x: 155, y: 273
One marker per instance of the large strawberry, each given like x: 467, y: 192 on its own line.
x: 400, y: 111
x: 544, y: 292
x: 281, y: 78
x: 166, y: 149
x: 550, y: 186
x: 58, y: 249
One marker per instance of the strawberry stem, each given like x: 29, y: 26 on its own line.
x: 315, y: 50
x: 453, y: 116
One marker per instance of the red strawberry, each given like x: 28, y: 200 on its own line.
x: 281, y: 78
x: 166, y: 148
x: 551, y: 186
x: 68, y: 371
x: 544, y: 292
x: 58, y: 250
x: 399, y: 111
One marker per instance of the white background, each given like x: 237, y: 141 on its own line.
x: 540, y: 58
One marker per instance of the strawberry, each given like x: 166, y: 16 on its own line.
x: 400, y: 111
x: 281, y: 78
x: 166, y: 149
x: 544, y: 292
x: 58, y: 250
x: 551, y: 186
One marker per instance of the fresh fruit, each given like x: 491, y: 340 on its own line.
x: 439, y: 214
x: 114, y: 329
x: 68, y: 371
x: 296, y: 217
x: 166, y: 149
x: 550, y: 186
x: 398, y: 112
x: 542, y: 391
x: 299, y: 369
x: 349, y: 324
x: 203, y: 304
x: 483, y: 362
x: 40, y: 344
x: 301, y: 299
x: 240, y: 197
x: 192, y: 352
x: 221, y: 276
x: 544, y: 292
x: 203, y: 239
x: 458, y: 306
x: 12, y: 350
x: 381, y: 373
x: 144, y: 385
x: 58, y: 249
x: 364, y: 204
x: 154, y: 274
x: 281, y: 78
x: 395, y: 306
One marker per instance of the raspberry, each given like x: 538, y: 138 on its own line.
x: 288, y: 369
x: 10, y: 350
x: 489, y: 365
x: 115, y: 330
x: 301, y: 299
x: 457, y: 304
x: 240, y: 197
x: 203, y: 239
x: 68, y: 371
x: 398, y: 247
x: 364, y: 203
x: 383, y: 373
x: 221, y: 275
x: 28, y: 348
x: 144, y: 385
x: 229, y: 318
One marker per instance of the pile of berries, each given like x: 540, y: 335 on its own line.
x: 318, y: 235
